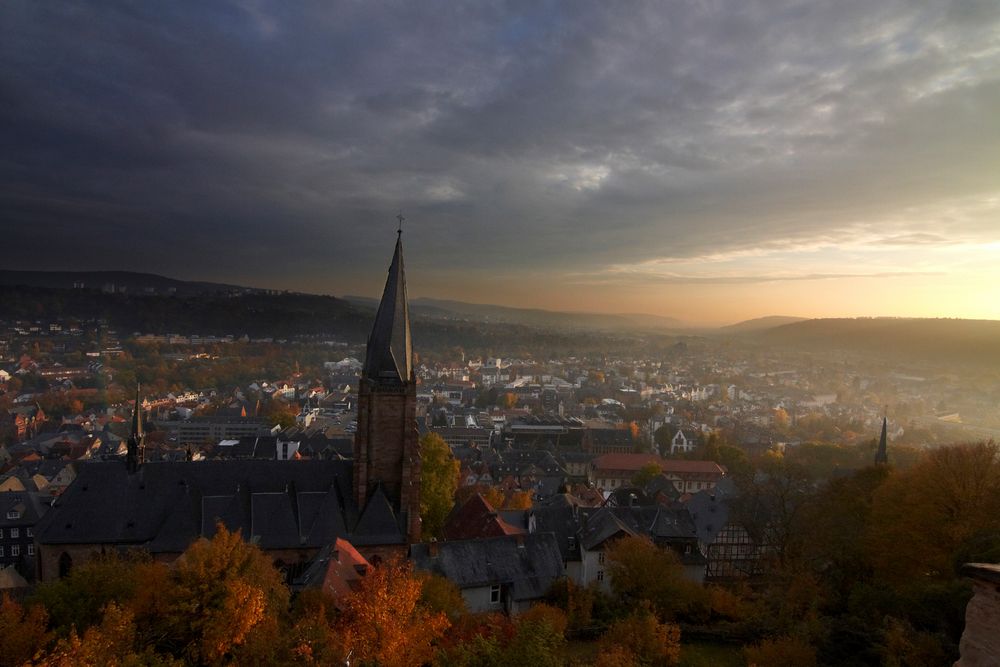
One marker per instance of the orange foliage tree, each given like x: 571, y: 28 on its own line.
x: 384, y: 623
x: 640, y: 639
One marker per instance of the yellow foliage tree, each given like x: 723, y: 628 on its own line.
x: 384, y: 623
x: 439, y: 472
x: 22, y: 632
x: 218, y: 594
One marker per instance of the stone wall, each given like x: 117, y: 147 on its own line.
x: 980, y: 645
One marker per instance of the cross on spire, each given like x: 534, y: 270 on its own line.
x: 401, y: 219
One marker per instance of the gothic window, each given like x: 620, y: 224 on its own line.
x: 65, y: 564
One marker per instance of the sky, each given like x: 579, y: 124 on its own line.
x: 707, y: 160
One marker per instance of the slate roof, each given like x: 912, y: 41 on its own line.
x: 710, y: 514
x: 378, y: 523
x: 167, y: 504
x: 601, y: 527
x: 31, y: 507
x: 529, y: 564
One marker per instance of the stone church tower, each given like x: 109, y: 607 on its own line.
x: 386, y: 447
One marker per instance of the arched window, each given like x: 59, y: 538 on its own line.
x: 65, y: 564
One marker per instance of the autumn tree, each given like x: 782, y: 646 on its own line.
x: 111, y: 643
x: 780, y: 652
x: 924, y: 516
x: 77, y: 599
x: 383, y: 622
x: 518, y: 500
x: 438, y: 594
x: 22, y: 631
x: 640, y: 639
x: 539, y: 638
x: 222, y: 594
x: 439, y: 472
x: 281, y: 412
x: 642, y: 572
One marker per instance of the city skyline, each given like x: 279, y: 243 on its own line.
x: 708, y: 161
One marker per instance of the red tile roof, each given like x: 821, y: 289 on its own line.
x: 477, y: 518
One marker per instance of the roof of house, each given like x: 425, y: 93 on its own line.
x: 336, y: 570
x: 166, y: 505
x: 528, y: 564
x: 476, y: 518
x: 634, y: 462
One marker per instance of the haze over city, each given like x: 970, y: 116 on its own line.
x: 709, y: 161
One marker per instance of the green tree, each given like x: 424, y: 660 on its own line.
x: 646, y: 474
x: 643, y: 573
x: 439, y: 471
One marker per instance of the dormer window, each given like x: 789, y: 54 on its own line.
x: 13, y: 514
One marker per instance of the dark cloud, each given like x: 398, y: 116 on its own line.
x: 272, y: 143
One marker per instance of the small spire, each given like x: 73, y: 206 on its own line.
x: 135, y: 449
x: 882, y: 453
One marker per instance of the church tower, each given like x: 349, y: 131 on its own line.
x: 386, y: 448
x: 135, y: 451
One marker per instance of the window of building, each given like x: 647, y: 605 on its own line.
x: 495, y: 594
x: 31, y: 549
x: 1, y: 551
x: 30, y: 532
x: 1, y: 533
x: 15, y: 550
x: 600, y: 575
x: 15, y: 532
x: 600, y: 557
x: 13, y: 514
x: 571, y: 542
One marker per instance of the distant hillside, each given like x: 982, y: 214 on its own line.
x: 255, y: 314
x: 128, y: 281
x: 944, y: 341
x: 459, y: 310
x: 760, y: 324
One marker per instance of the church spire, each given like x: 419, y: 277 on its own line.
x: 135, y: 447
x: 882, y: 454
x: 390, y: 353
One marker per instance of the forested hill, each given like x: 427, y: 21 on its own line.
x: 932, y: 340
x: 129, y: 281
x: 254, y: 314
x: 285, y: 315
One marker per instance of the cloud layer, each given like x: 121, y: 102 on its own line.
x: 272, y: 143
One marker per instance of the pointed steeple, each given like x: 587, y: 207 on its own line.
x: 135, y: 447
x: 882, y: 453
x: 390, y: 353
